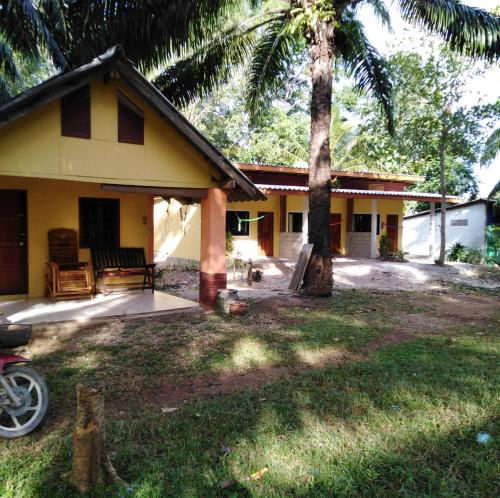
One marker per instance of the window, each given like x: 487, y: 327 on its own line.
x: 295, y: 222
x: 75, y: 114
x: 99, y: 223
x: 130, y: 121
x: 363, y: 223
x: 234, y: 225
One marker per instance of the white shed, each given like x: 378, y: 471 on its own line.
x: 465, y: 223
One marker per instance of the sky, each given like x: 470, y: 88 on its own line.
x: 486, y: 87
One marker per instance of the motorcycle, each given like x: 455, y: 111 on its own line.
x: 23, y: 393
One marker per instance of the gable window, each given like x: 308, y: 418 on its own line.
x: 130, y: 121
x: 99, y: 223
x: 75, y: 114
x: 235, y: 225
x: 295, y: 222
x: 363, y: 223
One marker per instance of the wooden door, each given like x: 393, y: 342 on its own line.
x: 335, y: 233
x: 13, y: 242
x: 266, y: 234
x: 392, y: 231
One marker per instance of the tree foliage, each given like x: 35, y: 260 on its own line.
x: 425, y: 87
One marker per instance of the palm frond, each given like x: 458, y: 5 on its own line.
x: 368, y: 68
x: 491, y: 148
x: 468, y: 30
x: 7, y: 62
x: 210, y: 66
x: 23, y: 26
x: 381, y: 12
x: 5, y: 93
x: 271, y: 61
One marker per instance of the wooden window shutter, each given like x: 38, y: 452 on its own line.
x: 130, y: 121
x: 75, y: 114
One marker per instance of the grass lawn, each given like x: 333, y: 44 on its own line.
x: 363, y: 394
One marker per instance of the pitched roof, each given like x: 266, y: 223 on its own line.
x: 115, y: 62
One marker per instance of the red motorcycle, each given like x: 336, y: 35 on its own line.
x: 23, y: 393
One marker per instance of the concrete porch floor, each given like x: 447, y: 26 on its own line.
x: 116, y: 305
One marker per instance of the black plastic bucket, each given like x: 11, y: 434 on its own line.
x: 14, y: 335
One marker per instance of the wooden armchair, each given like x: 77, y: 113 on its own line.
x: 65, y: 276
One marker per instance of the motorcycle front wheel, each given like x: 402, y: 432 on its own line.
x: 30, y: 388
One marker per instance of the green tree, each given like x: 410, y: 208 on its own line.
x: 208, y: 39
x: 438, y: 134
x: 423, y: 87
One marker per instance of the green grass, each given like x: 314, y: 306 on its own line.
x: 401, y: 423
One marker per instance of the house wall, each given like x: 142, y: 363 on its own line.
x: 384, y: 208
x: 177, y: 230
x: 33, y: 146
x: 54, y: 204
x: 416, y: 239
x: 248, y: 246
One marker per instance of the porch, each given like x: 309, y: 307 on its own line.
x: 129, y: 304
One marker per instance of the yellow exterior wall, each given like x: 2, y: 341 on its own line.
x: 177, y: 230
x: 295, y: 203
x: 33, y: 146
x: 54, y: 204
x: 384, y: 207
x: 248, y: 246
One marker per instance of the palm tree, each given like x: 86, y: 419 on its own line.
x: 201, y: 42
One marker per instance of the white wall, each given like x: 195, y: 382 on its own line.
x: 416, y: 231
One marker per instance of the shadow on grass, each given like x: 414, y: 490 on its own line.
x: 402, y: 424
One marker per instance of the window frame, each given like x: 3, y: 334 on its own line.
x: 370, y: 224
x: 82, y: 93
x: 288, y: 227
x: 86, y: 243
x: 246, y: 224
x: 124, y: 104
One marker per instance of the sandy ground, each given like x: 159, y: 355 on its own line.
x: 417, y: 274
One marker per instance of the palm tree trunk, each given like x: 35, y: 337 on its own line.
x: 442, y: 149
x: 318, y: 280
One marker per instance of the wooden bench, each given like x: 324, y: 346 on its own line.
x: 121, y: 263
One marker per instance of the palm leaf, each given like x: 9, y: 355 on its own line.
x: 211, y: 65
x: 468, y: 30
x: 271, y: 61
x: 491, y: 148
x: 368, y: 68
x: 7, y: 62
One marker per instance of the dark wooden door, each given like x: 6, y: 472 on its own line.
x: 335, y: 233
x: 13, y: 240
x: 392, y: 231
x: 266, y: 234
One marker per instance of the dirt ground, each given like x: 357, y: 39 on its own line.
x: 418, y: 274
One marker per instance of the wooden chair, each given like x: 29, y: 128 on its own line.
x: 66, y: 277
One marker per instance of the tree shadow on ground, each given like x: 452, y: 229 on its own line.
x: 400, y: 424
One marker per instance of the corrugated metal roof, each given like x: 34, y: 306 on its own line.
x: 367, y: 193
x: 282, y: 187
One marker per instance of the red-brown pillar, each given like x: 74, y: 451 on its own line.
x: 151, y: 229
x: 213, y: 246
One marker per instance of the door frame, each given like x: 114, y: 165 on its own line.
x: 396, y: 230
x: 24, y: 289
x: 271, y: 244
x: 340, y: 233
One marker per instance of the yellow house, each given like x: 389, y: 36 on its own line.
x: 90, y: 150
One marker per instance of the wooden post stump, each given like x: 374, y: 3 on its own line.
x: 86, y: 469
